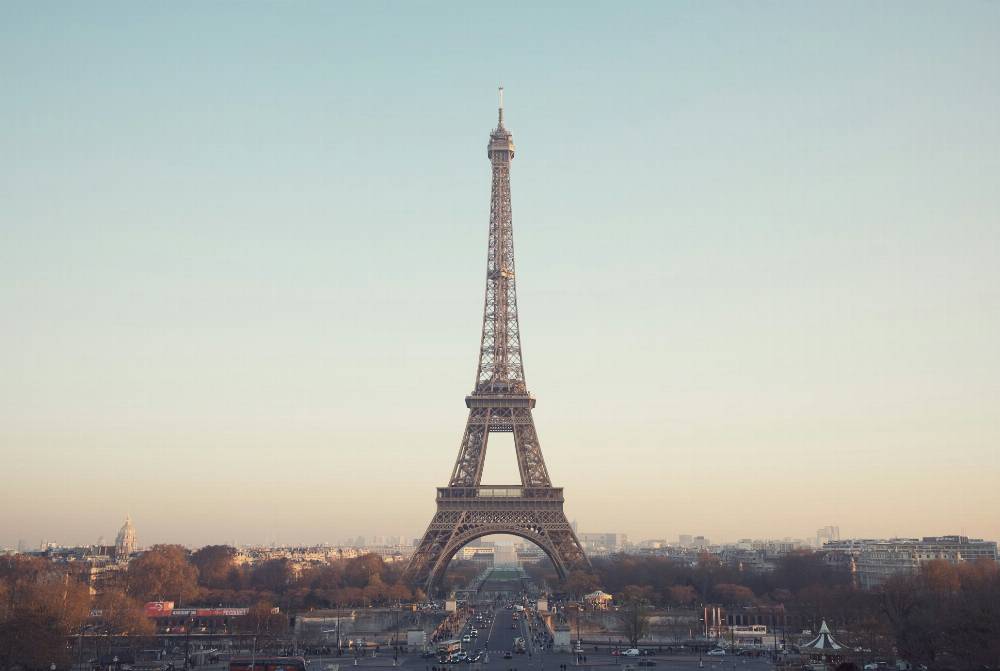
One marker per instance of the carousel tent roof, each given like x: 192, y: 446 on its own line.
x: 825, y: 641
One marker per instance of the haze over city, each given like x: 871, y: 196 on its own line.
x: 242, y: 259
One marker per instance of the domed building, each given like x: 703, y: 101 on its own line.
x: 125, y: 542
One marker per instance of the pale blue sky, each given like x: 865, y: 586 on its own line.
x: 242, y: 251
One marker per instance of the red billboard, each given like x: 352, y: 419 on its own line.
x: 158, y: 608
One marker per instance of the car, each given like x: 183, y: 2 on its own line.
x: 427, y: 654
x: 506, y: 654
x: 466, y: 639
x: 716, y: 652
x: 631, y: 652
x: 646, y: 662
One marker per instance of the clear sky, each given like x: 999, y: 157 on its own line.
x: 242, y: 255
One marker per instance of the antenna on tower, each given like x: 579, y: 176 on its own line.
x: 500, y: 109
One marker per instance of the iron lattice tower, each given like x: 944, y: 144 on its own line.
x: 499, y: 402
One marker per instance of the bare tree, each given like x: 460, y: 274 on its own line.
x: 634, y: 613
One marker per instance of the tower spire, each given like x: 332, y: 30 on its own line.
x: 500, y: 107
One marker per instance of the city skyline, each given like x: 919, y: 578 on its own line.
x: 242, y: 264
x: 377, y: 538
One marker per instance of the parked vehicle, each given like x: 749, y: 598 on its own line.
x: 716, y: 652
x: 631, y: 652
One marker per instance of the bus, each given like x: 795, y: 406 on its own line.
x: 268, y: 664
x: 445, y: 648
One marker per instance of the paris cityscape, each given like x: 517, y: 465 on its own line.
x: 757, y: 263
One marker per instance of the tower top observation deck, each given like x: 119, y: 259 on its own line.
x: 501, y: 145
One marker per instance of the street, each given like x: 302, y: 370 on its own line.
x: 499, y: 635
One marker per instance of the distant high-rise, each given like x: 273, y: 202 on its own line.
x: 827, y: 534
x: 125, y: 542
x: 602, y: 543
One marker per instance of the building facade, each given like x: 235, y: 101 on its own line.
x: 875, y: 560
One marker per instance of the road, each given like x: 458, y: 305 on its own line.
x: 499, y: 636
x: 553, y: 661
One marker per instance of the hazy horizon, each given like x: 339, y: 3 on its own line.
x: 242, y: 259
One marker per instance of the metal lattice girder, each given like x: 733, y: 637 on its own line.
x: 499, y: 403
x: 467, y: 513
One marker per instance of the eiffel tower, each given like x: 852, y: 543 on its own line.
x: 499, y: 403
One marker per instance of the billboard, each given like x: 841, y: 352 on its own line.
x: 208, y: 612
x: 166, y: 609
x: 158, y: 608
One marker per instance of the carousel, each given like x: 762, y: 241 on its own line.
x: 826, y: 652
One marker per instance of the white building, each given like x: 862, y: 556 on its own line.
x: 125, y: 544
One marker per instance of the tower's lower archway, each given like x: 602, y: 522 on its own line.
x: 467, y: 513
x: 437, y: 573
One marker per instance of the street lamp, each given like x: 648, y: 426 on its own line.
x: 395, y: 636
x: 338, y: 628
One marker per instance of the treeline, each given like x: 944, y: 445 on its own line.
x: 709, y: 581
x: 666, y: 582
x: 945, y: 617
x: 212, y: 575
x: 362, y: 581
